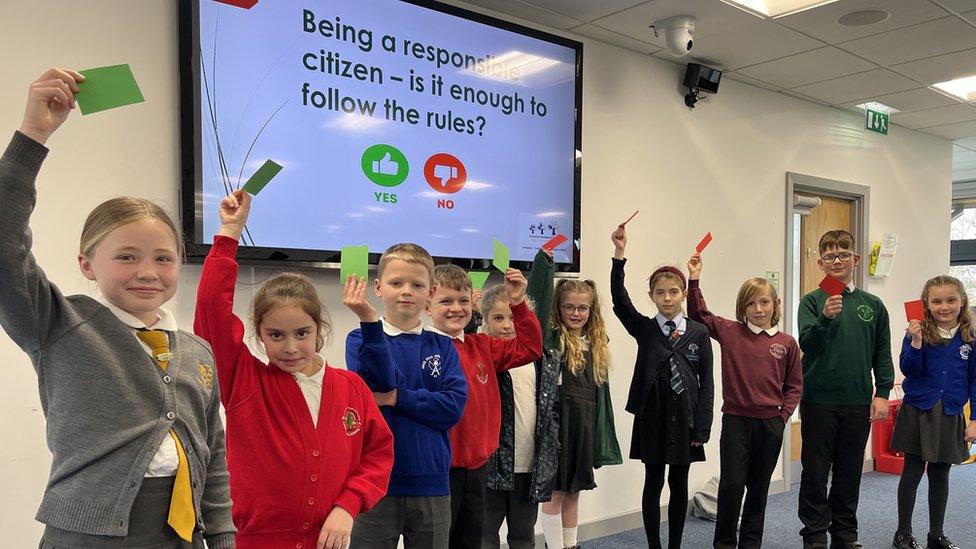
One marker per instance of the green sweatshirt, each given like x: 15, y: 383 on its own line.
x: 839, y: 354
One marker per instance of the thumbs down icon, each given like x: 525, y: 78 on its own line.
x: 445, y: 173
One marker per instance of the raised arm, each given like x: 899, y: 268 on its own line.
x: 697, y: 309
x: 623, y: 307
x: 540, y: 289
x: 31, y: 307
x: 214, y: 319
x: 526, y: 346
x: 368, y: 352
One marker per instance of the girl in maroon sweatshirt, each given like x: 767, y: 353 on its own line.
x: 761, y: 385
x: 307, y: 448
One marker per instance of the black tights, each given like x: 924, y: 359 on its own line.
x: 677, y: 505
x: 911, y: 475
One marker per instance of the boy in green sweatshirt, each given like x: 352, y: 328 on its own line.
x: 844, y: 339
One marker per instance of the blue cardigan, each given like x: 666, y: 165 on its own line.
x: 946, y: 371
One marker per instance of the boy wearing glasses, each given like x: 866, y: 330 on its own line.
x: 843, y: 338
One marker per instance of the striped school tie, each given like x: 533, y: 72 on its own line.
x: 182, y: 517
x: 677, y: 385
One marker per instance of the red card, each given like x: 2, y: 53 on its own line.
x: 832, y: 286
x: 915, y: 310
x: 554, y: 242
x: 246, y: 4
x: 704, y: 242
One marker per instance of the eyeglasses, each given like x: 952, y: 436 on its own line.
x: 569, y: 309
x: 843, y: 256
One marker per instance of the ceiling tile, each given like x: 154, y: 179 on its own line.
x: 941, y: 68
x: 610, y: 37
x: 808, y: 67
x: 962, y: 112
x: 929, y: 39
x: 522, y: 10
x: 712, y: 16
x: 857, y: 86
x: 585, y: 10
x: 953, y: 131
x: 821, y: 22
x: 804, y: 97
x: 909, y: 101
x: 738, y: 77
x: 750, y: 44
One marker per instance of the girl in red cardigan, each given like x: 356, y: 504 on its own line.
x: 307, y: 448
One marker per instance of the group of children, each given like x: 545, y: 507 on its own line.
x: 435, y: 433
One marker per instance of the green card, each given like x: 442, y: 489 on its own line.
x: 265, y: 174
x: 355, y: 261
x: 478, y: 278
x: 501, y: 256
x: 107, y: 88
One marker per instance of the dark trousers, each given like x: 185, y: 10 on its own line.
x: 468, y: 487
x: 424, y: 522
x: 834, y: 437
x: 749, y: 450
x: 517, y: 509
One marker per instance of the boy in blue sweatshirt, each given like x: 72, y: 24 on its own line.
x: 418, y: 383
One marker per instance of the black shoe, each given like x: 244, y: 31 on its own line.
x: 905, y: 541
x: 837, y: 543
x: 941, y: 542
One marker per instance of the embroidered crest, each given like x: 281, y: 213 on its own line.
x: 206, y: 375
x: 865, y: 313
x: 964, y: 351
x: 693, y: 348
x: 482, y: 374
x: 432, y: 363
x: 778, y: 350
x: 351, y: 422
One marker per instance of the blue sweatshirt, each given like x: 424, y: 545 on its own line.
x: 431, y: 393
x: 934, y: 372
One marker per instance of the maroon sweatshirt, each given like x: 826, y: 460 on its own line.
x: 761, y: 373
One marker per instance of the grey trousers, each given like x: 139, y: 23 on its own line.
x: 423, y: 521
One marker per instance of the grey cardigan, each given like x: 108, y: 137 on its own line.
x: 107, y: 405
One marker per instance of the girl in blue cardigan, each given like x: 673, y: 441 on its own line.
x: 939, y: 364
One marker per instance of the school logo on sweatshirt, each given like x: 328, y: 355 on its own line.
x: 865, y: 313
x: 432, y: 364
x: 964, y: 351
x: 778, y: 350
x: 206, y: 375
x: 482, y: 374
x: 351, y: 422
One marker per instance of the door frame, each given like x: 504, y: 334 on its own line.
x: 860, y: 197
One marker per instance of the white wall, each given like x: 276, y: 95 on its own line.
x: 718, y: 168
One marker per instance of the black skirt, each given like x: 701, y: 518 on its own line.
x: 147, y: 525
x: 931, y: 434
x: 577, y: 431
x: 662, y: 435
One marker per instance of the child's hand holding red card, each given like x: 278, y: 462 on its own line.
x: 832, y: 286
x: 915, y: 310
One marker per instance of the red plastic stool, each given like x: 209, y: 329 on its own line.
x: 886, y: 460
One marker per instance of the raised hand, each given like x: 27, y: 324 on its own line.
x: 833, y: 306
x: 354, y: 298
x: 49, y: 101
x: 515, y: 285
x: 695, y: 267
x: 619, y: 239
x: 915, y: 330
x: 234, y: 210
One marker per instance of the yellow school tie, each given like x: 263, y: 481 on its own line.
x: 181, y: 514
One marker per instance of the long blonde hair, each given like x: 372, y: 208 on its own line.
x: 930, y: 330
x: 595, y: 330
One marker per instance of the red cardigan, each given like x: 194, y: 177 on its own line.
x: 475, y: 438
x: 286, y: 474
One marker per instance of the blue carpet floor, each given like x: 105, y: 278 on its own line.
x: 877, y: 517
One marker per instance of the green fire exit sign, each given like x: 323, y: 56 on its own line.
x: 876, y: 121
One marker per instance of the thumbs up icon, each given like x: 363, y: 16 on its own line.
x: 386, y: 165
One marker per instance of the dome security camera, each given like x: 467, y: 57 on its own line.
x: 679, y: 32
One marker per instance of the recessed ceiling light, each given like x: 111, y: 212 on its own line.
x: 863, y: 18
x: 877, y: 107
x: 963, y: 88
x: 776, y: 8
